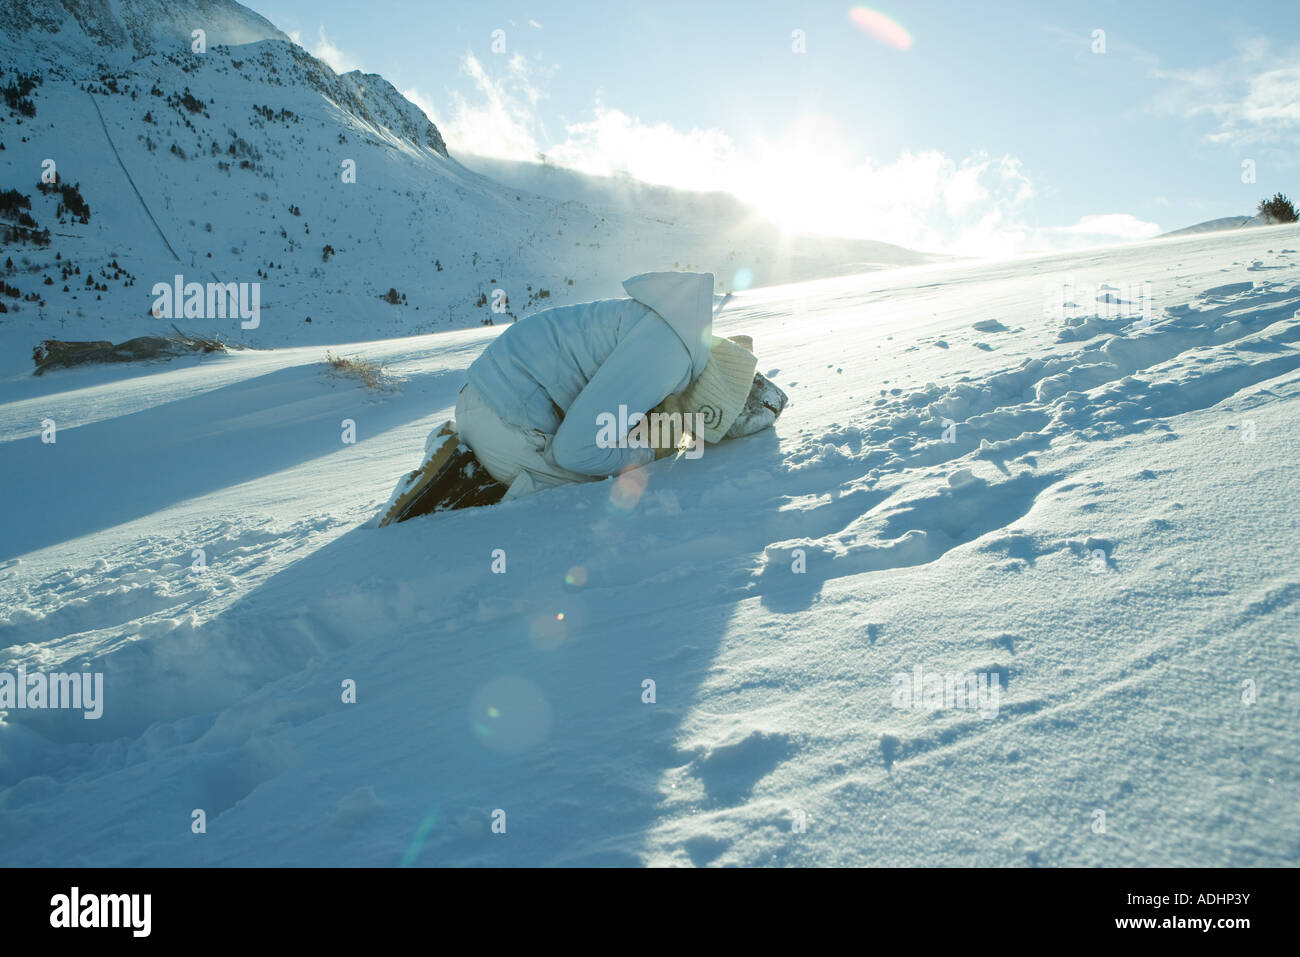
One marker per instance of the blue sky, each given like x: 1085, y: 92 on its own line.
x: 998, y: 130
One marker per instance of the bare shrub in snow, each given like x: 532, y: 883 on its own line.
x: 371, y: 374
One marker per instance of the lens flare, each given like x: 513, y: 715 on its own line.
x: 627, y: 489
x: 412, y: 853
x: 881, y: 27
x: 576, y: 576
x: 547, y: 631
x: 510, y: 715
x: 743, y: 279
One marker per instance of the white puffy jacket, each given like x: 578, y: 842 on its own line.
x: 557, y: 370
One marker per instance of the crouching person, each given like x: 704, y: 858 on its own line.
x: 577, y: 393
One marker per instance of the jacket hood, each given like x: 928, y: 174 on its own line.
x: 684, y: 300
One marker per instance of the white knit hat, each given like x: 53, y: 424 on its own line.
x: 719, y: 392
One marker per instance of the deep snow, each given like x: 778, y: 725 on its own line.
x: 1109, y: 533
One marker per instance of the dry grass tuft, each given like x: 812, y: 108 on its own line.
x: 371, y: 374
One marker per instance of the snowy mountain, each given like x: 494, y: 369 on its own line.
x: 253, y: 162
x: 117, y: 31
x: 1059, y: 483
x: 1216, y: 225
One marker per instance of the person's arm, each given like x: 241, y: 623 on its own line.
x: 644, y: 368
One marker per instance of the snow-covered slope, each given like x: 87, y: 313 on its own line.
x: 253, y: 162
x: 1091, y: 507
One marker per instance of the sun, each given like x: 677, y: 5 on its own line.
x: 803, y: 191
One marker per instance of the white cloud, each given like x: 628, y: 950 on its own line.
x: 502, y: 121
x: 324, y: 49
x: 809, y: 180
x: 1273, y: 98
x: 1110, y: 227
x: 811, y: 183
x: 1251, y: 97
x: 420, y: 100
x: 614, y: 142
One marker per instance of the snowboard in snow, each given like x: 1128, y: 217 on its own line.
x: 449, y: 477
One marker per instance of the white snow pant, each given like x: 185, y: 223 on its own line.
x: 513, y: 455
